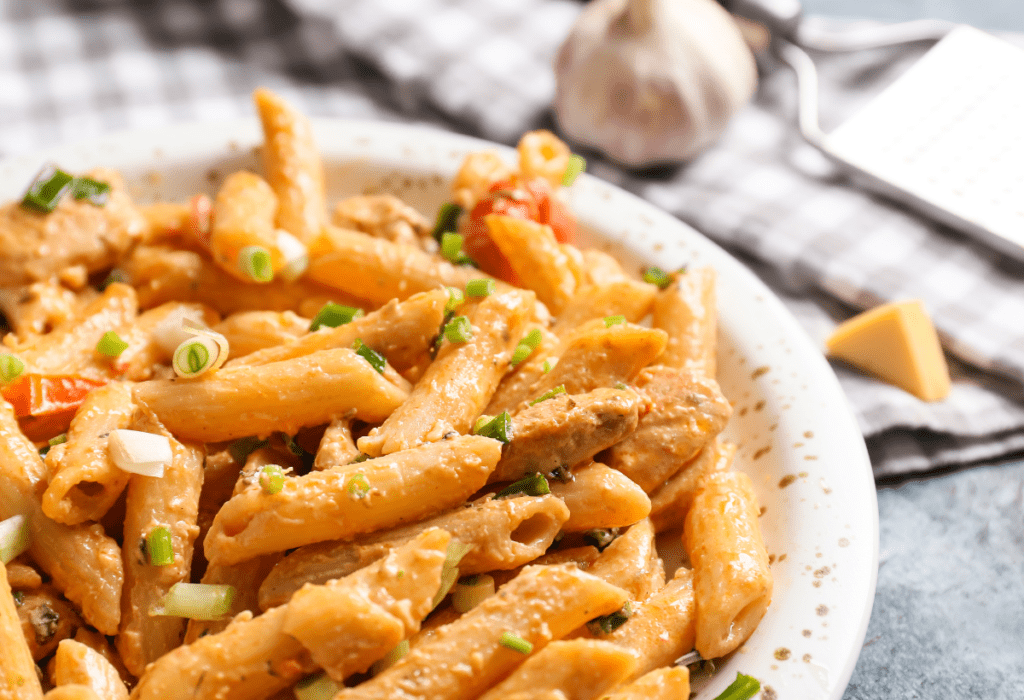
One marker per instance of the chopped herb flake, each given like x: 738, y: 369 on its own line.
x: 531, y: 485
x: 358, y: 486
x: 515, y: 643
x: 576, y: 165
x: 95, y: 192
x: 480, y: 288
x: 447, y: 219
x: 11, y: 367
x: 609, y: 623
x: 560, y: 389
x: 743, y: 688
x: 610, y: 321
x: 499, y: 428
x: 375, y: 359
x: 333, y: 315
x: 111, y: 345
x: 455, y: 299
x: 272, y: 479
x: 458, y: 330
x: 46, y: 191
x: 160, y: 547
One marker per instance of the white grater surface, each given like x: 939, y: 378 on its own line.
x: 950, y: 134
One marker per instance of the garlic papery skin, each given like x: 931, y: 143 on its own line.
x: 652, y: 81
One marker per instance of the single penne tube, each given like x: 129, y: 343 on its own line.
x: 632, y: 562
x: 280, y: 396
x: 400, y: 331
x: 503, y: 533
x: 70, y: 348
x: 627, y: 298
x: 293, y: 167
x: 687, y: 411
x: 660, y: 684
x: 459, y: 383
x: 566, y: 431
x: 687, y: 311
x: 542, y: 154
x: 245, y: 578
x: 249, y: 331
x: 379, y: 270
x: 18, y: 679
x: 348, y: 624
x: 671, y: 502
x: 515, y: 386
x: 253, y: 657
x: 540, y: 605
x: 337, y: 446
x: 661, y: 628
x: 601, y: 497
x: 582, y: 669
x: 82, y: 560
x: 348, y: 501
x: 86, y: 481
x: 169, y: 503
x: 601, y: 268
x: 162, y: 274
x: 534, y: 253
x: 244, y: 211
x: 732, y: 581
x: 599, y: 356
x: 76, y: 663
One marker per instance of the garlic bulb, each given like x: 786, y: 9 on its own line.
x: 652, y: 81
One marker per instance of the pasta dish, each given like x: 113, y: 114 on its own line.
x: 262, y: 445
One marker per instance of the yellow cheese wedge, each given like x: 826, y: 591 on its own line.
x: 898, y: 344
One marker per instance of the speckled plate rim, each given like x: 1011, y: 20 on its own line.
x: 797, y: 436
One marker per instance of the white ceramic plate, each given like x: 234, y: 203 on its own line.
x: 797, y: 437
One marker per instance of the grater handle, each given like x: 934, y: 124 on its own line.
x: 807, y: 89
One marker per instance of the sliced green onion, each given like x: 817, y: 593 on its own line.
x: 621, y: 386
x: 480, y: 288
x: 531, y: 485
x: 577, y: 164
x: 13, y: 538
x: 526, y: 346
x: 560, y: 389
x: 195, y: 356
x: 743, y: 688
x: 160, y: 547
x: 254, y: 261
x: 11, y: 367
x: 610, y: 321
x: 607, y: 624
x: 451, y: 247
x: 658, y: 277
x: 498, y: 428
x: 333, y: 315
x: 116, y: 275
x: 455, y: 299
x: 601, y: 537
x: 196, y: 601
x: 450, y: 569
x: 272, y: 479
x: 19, y: 598
x: 470, y: 592
x: 547, y: 366
x: 447, y: 219
x: 294, y: 254
x: 391, y: 658
x: 111, y: 345
x: 316, y: 687
x: 241, y: 448
x: 458, y: 330
x: 375, y: 359
x: 481, y: 422
x: 358, y: 486
x: 46, y: 191
x: 59, y: 440
x: 515, y: 643
x: 96, y: 192
x: 139, y: 452
x: 361, y: 457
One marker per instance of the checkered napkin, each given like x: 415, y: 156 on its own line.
x: 72, y: 69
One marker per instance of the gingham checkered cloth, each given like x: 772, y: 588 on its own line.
x: 72, y: 69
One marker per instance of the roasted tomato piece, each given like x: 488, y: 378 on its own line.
x: 45, y: 405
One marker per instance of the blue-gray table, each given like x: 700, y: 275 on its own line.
x: 948, y: 618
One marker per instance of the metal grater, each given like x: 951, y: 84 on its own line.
x: 946, y: 137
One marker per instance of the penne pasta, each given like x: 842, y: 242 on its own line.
x: 536, y: 257
x: 76, y: 663
x: 566, y: 431
x: 671, y: 502
x: 687, y: 412
x: 250, y: 331
x: 293, y: 167
x: 243, y: 215
x: 627, y: 298
x: 72, y: 692
x: 337, y: 447
x: 600, y: 497
x: 632, y: 562
x: 244, y: 577
x: 277, y: 397
x: 687, y: 311
x: 464, y: 658
x: 82, y: 560
x: 460, y: 382
x: 515, y: 386
x: 170, y: 502
x: 360, y: 498
x: 732, y: 582
x: 659, y: 684
x: 580, y: 669
x: 18, y: 679
x: 502, y: 533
